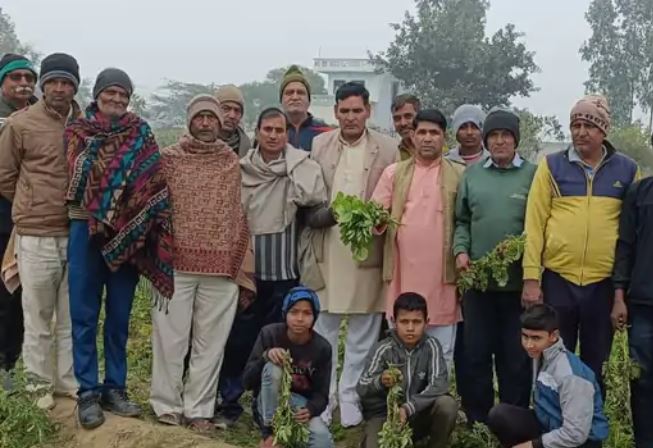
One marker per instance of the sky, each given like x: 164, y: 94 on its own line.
x: 237, y: 41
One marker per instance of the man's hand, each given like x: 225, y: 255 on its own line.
x: 403, y: 415
x: 277, y: 356
x: 462, y: 261
x: 245, y: 299
x: 302, y: 415
x: 528, y: 444
x: 387, y: 380
x: 531, y: 294
x: 619, y: 314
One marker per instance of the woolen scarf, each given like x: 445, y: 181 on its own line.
x: 209, y: 225
x: 115, y: 175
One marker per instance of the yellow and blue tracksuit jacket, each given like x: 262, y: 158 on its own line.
x: 572, y: 216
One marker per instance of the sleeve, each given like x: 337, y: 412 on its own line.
x: 321, y: 383
x: 255, y: 364
x: 577, y: 406
x: 369, y: 384
x: 626, y: 242
x: 462, y: 233
x: 438, y: 384
x: 538, y: 209
x: 10, y: 158
x: 245, y: 277
x: 309, y: 187
x: 384, y: 187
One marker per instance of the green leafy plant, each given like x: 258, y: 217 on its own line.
x: 357, y: 219
x: 287, y: 432
x: 493, y: 266
x: 395, y: 434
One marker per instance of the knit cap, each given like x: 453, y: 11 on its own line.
x: 202, y: 103
x: 501, y: 119
x: 297, y: 294
x: 10, y: 62
x: 595, y: 110
x: 294, y: 74
x: 230, y: 93
x: 59, y: 65
x: 112, y: 77
x: 467, y: 113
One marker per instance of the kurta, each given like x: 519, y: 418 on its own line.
x: 419, y: 253
x: 350, y: 289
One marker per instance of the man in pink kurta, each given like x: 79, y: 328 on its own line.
x: 419, y: 243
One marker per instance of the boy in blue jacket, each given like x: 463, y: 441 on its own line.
x: 568, y: 408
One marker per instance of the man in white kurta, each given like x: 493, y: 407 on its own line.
x: 352, y: 159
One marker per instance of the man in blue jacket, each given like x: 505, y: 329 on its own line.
x: 568, y: 408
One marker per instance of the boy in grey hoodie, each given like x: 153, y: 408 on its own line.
x: 428, y: 407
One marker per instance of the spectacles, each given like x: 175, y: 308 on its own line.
x: 29, y: 77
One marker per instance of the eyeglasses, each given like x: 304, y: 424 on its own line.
x: 29, y: 77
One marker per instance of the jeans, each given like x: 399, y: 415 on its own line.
x: 88, y: 276
x: 266, y: 309
x: 640, y: 340
x: 268, y: 401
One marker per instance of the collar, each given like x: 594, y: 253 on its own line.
x: 360, y: 140
x: 574, y: 156
x: 553, y: 351
x: 517, y: 162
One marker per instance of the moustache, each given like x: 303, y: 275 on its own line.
x: 24, y: 89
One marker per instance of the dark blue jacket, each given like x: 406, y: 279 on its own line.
x: 310, y: 128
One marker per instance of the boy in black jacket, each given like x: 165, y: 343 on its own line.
x: 428, y: 408
x: 311, y: 362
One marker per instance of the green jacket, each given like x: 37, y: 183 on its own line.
x: 491, y: 205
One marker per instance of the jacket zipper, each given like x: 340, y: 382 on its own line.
x: 408, y: 374
x: 590, y: 183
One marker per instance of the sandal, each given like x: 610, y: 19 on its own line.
x: 171, y: 419
x: 201, y: 426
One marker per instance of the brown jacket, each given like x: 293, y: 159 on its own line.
x: 450, y: 176
x: 381, y: 152
x: 34, y: 170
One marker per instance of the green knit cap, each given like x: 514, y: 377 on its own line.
x: 294, y: 74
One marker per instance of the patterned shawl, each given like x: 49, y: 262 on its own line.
x: 114, y: 172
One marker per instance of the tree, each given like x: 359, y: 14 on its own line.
x: 620, y: 53
x: 535, y: 130
x: 442, y: 54
x: 168, y: 108
x: 633, y: 140
x: 138, y: 105
x: 261, y: 94
x: 9, y: 42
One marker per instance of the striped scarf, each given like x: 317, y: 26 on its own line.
x: 114, y: 172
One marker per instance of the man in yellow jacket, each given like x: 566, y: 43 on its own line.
x: 572, y: 220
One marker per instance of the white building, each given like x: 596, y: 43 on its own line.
x: 383, y: 87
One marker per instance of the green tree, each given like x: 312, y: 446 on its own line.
x: 168, y: 105
x: 634, y: 141
x: 535, y: 130
x: 620, y: 53
x: 442, y: 53
x: 138, y: 105
x: 9, y: 42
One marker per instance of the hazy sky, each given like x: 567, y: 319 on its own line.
x: 240, y: 40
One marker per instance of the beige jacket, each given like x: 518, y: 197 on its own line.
x: 381, y: 151
x: 34, y: 170
x: 452, y: 172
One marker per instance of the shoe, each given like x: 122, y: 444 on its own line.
x: 89, y: 411
x: 350, y: 415
x: 222, y: 422
x: 46, y: 402
x: 171, y: 419
x: 116, y: 402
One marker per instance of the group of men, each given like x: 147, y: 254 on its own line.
x: 225, y: 231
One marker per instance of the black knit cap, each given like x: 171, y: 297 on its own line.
x: 59, y: 65
x: 501, y: 119
x: 112, y: 77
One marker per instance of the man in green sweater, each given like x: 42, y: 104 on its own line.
x: 490, y: 206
